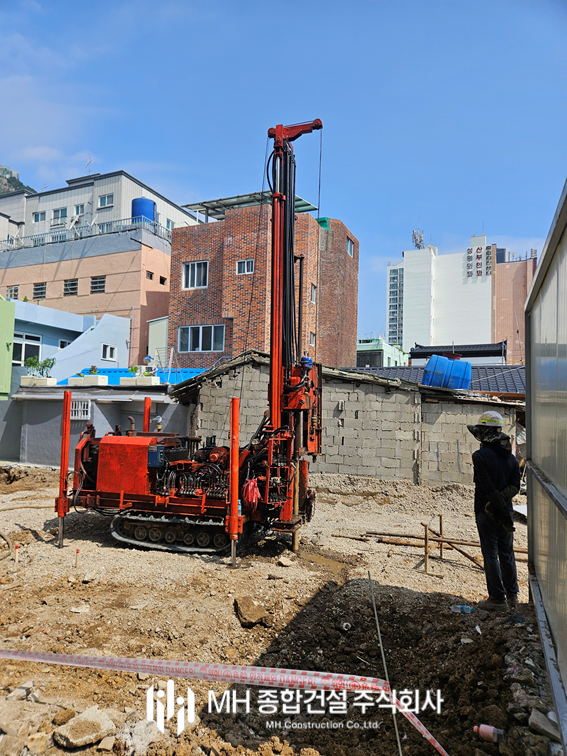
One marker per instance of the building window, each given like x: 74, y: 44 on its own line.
x: 201, y: 338
x: 59, y: 216
x: 38, y: 217
x: 149, y: 275
x: 25, y: 345
x: 40, y: 290
x: 79, y: 209
x: 12, y: 292
x: 80, y: 409
x: 162, y: 280
x: 313, y: 293
x: 196, y: 275
x: 170, y: 224
x: 244, y: 266
x: 63, y: 343
x: 71, y: 287
x: 106, y: 200
x: 350, y: 247
x: 108, y: 352
x: 98, y: 284
x: 312, y: 339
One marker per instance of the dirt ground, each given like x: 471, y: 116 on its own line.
x: 318, y: 616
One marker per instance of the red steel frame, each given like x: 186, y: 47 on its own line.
x: 297, y: 398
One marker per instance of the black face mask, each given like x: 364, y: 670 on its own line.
x: 490, y: 434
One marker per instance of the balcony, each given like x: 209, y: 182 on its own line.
x: 63, y: 234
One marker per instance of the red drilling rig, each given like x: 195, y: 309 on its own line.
x: 165, y: 491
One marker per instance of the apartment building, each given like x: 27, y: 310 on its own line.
x: 102, y: 244
x: 220, y: 291
x: 473, y: 297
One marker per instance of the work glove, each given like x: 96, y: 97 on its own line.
x: 497, y: 510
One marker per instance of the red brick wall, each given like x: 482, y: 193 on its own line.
x: 510, y: 286
x: 338, y: 306
x: 242, y: 302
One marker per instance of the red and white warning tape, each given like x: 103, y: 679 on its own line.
x: 228, y: 673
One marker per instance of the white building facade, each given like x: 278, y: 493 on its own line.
x: 98, y: 203
x: 438, y: 299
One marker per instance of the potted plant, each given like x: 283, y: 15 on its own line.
x: 76, y: 380
x: 93, y: 378
x: 131, y: 379
x: 148, y: 378
x: 39, y: 372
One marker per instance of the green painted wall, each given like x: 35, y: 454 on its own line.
x: 7, y: 318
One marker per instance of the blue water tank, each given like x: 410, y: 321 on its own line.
x: 460, y: 375
x: 442, y: 372
x: 142, y: 207
x: 435, y: 373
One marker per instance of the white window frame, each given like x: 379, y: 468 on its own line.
x: 63, y: 343
x: 39, y: 217
x: 80, y: 209
x: 44, y: 284
x: 108, y: 349
x: 350, y: 246
x: 11, y: 290
x: 248, y: 267
x: 187, y: 276
x: 71, y: 287
x: 60, y: 214
x: 313, y: 297
x: 311, y: 339
x: 170, y: 224
x: 213, y: 326
x: 80, y: 409
x: 149, y: 275
x: 103, y: 200
x: 23, y: 339
x: 94, y: 286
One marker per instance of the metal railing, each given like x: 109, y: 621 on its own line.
x: 81, y: 232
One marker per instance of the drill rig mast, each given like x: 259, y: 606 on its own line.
x: 166, y: 491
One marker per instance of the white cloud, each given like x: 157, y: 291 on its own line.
x: 40, y: 154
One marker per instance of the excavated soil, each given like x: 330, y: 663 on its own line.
x: 16, y: 477
x: 318, y: 615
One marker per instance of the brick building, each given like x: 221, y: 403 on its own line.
x: 220, y: 284
x: 511, y: 282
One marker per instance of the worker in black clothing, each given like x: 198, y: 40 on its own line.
x: 497, y: 481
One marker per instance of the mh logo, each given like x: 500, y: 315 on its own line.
x: 156, y: 711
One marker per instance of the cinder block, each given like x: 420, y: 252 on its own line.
x: 366, y: 470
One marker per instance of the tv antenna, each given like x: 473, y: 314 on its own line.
x: 417, y: 239
x: 88, y: 165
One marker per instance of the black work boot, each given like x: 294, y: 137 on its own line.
x: 512, y: 599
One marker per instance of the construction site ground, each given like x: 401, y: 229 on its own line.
x: 318, y: 615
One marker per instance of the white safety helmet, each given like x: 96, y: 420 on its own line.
x: 491, y: 419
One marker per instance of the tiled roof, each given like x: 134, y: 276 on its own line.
x: 465, y: 350
x: 506, y: 379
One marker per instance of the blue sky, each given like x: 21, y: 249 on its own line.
x: 448, y: 114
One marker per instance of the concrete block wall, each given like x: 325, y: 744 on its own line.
x: 446, y: 443
x: 368, y: 429
x: 209, y: 415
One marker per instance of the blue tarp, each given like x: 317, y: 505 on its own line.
x: 114, y: 374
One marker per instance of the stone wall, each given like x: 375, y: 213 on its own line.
x: 369, y: 428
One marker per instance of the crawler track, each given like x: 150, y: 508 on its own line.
x: 168, y: 533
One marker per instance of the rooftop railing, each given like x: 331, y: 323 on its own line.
x: 82, y: 232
